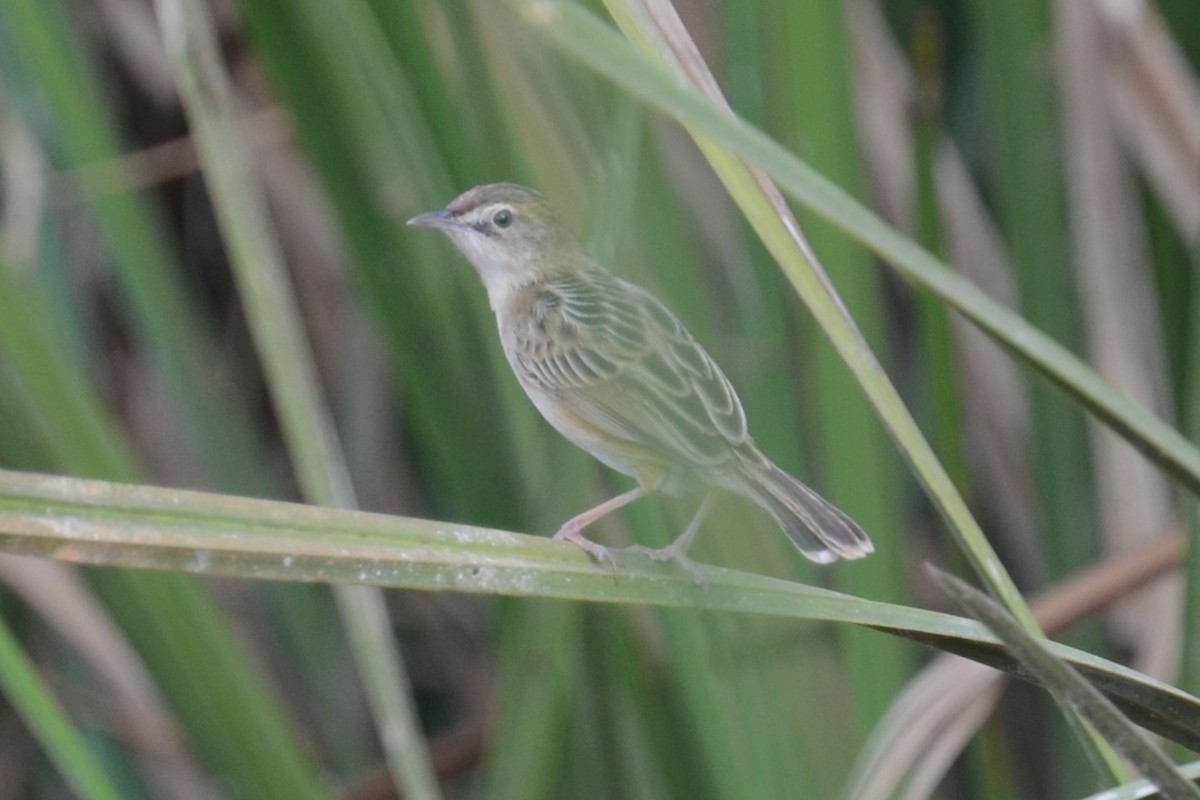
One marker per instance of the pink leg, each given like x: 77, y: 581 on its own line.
x: 571, y: 529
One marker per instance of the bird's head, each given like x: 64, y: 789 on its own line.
x: 508, y: 232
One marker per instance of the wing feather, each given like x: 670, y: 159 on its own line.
x: 627, y: 364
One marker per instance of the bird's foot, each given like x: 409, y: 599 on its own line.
x: 598, y: 552
x: 672, y: 552
x: 677, y: 550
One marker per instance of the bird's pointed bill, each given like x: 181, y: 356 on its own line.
x: 433, y: 219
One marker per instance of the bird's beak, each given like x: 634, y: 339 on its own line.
x: 433, y: 219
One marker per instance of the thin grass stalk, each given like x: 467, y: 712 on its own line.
x: 291, y: 375
x: 764, y: 208
x: 329, y: 81
x: 1072, y: 690
x: 857, y: 464
x: 50, y: 725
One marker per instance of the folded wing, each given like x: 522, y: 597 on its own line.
x: 631, y: 368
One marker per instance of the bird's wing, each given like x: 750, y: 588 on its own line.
x: 626, y: 363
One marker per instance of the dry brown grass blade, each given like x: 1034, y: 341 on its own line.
x: 262, y: 129
x: 884, y: 93
x: 1122, y: 322
x: 135, y: 41
x: 995, y: 405
x: 689, y: 61
x: 23, y: 185
x: 1157, y: 99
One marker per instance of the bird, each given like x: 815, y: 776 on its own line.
x: 616, y: 372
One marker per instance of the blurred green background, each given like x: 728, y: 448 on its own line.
x: 1050, y: 151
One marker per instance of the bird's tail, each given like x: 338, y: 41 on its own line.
x: 821, y: 531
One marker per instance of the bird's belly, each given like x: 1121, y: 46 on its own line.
x: 611, y: 449
x: 619, y: 454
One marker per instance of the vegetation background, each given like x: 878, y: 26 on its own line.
x: 1050, y: 151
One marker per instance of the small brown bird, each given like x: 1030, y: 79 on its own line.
x: 618, y: 375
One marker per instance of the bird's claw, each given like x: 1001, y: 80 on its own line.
x: 598, y: 552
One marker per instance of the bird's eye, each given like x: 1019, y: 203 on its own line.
x: 502, y: 218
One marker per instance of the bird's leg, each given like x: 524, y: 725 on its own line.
x: 571, y: 529
x: 677, y: 550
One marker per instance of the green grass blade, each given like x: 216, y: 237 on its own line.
x: 41, y: 712
x: 71, y: 423
x: 234, y: 722
x: 291, y: 374
x: 1071, y: 690
x: 147, y: 527
x: 215, y: 417
x: 1023, y: 121
x: 582, y: 37
x: 810, y: 79
x: 1190, y: 655
x: 579, y: 33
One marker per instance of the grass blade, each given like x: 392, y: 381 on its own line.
x: 42, y: 713
x: 151, y: 528
x: 581, y: 36
x: 235, y: 724
x: 809, y: 78
x: 215, y: 416
x: 275, y: 323
x: 1071, y: 690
